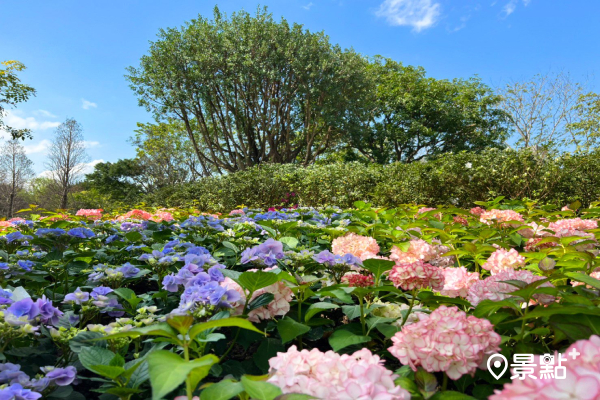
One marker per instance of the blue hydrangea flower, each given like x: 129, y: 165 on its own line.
x: 81, y: 233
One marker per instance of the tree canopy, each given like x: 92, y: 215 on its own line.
x: 12, y: 92
x: 251, y: 89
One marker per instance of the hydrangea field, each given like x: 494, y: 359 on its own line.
x: 291, y: 304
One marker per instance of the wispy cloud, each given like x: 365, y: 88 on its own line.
x: 86, y: 168
x: 511, y: 6
x: 308, y: 6
x: 90, y: 144
x: 40, y: 147
x: 419, y: 14
x: 44, y: 113
x: 86, y: 105
x: 18, y: 120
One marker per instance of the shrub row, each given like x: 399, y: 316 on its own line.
x: 458, y: 179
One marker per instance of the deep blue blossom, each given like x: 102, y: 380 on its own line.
x: 81, y: 233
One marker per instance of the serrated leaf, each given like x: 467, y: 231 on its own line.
x: 343, y: 338
x: 289, y: 329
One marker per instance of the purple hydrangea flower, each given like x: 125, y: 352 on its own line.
x: 62, y: 376
x: 22, y: 308
x: 100, y: 291
x: 49, y: 314
x: 128, y: 270
x: 17, y: 392
x: 78, y: 297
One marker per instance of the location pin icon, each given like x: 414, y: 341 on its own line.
x: 496, y: 360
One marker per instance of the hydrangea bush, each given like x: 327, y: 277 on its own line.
x: 299, y: 303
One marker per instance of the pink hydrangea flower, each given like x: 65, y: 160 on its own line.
x: 5, y: 224
x: 363, y: 247
x: 93, y: 214
x: 358, y: 280
x: 278, y: 307
x: 460, y: 220
x: 332, y: 376
x: 161, y: 216
x: 136, y: 214
x: 237, y: 212
x: 494, y: 288
x: 503, y: 259
x: 457, y: 281
x: 420, y: 250
x: 573, y: 224
x: 500, y: 216
x: 417, y: 275
x: 477, y: 211
x: 448, y: 341
x: 582, y: 380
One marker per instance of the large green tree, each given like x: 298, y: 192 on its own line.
x: 249, y: 89
x: 12, y: 92
x: 413, y: 116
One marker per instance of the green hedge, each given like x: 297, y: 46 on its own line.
x: 458, y: 179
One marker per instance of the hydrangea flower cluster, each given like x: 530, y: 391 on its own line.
x: 457, y: 281
x: 494, y: 288
x: 23, y: 387
x: 27, y: 313
x: 331, y: 260
x: 417, y: 275
x: 500, y: 216
x: 331, y: 376
x: 573, y: 224
x: 502, y: 260
x: 582, y: 377
x: 358, y: 280
x: 265, y: 254
x: 93, y: 214
x: 398, y: 311
x: 278, y: 307
x: 420, y: 250
x: 359, y: 246
x: 106, y: 273
x: 448, y: 340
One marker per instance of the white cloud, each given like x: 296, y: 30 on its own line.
x: 420, y: 14
x: 308, y: 6
x: 90, y: 144
x: 86, y: 105
x: 18, y: 120
x: 40, y: 147
x: 87, y: 168
x: 44, y: 113
x: 509, y: 7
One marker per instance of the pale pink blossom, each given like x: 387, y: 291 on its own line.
x: 363, y: 247
x: 494, y: 288
x: 573, y: 224
x: 5, y: 224
x: 420, y: 250
x: 237, y: 212
x: 417, y: 275
x: 582, y: 377
x: 94, y: 213
x: 332, y: 376
x: 457, y: 281
x: 500, y: 216
x: 161, y: 216
x: 136, y: 214
x: 448, y: 341
x: 278, y: 307
x: 477, y: 211
x: 503, y: 259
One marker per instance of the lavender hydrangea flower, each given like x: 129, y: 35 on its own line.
x: 5, y: 297
x: 100, y: 291
x: 61, y: 376
x: 78, y: 297
x: 48, y: 313
x: 128, y: 270
x: 24, y: 310
x: 25, y: 264
x: 17, y: 392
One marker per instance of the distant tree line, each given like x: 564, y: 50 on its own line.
x: 233, y: 92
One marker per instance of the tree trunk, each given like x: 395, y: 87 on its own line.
x: 63, y: 201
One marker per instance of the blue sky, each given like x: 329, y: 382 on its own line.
x: 76, y: 52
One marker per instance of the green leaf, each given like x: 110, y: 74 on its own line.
x: 318, y: 307
x: 225, y: 322
x: 199, y: 373
x: 168, y: 371
x: 160, y: 329
x: 107, y: 371
x: 91, y: 357
x: 261, y: 301
x: 487, y: 307
x: 292, y: 242
x: 378, y: 267
x: 559, y: 309
x: 181, y: 323
x: 451, y: 395
x: 260, y: 390
x: 133, y: 236
x: 588, y: 280
x: 224, y: 390
x: 343, y: 338
x: 252, y: 281
x: 289, y: 329
x: 267, y: 349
